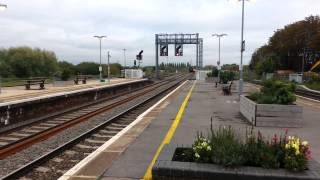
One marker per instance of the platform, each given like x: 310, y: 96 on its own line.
x: 18, y: 92
x: 130, y: 155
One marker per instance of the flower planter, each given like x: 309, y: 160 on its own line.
x: 271, y: 115
x: 166, y: 168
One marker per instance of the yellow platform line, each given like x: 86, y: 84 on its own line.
x: 170, y: 133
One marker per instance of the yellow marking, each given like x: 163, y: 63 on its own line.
x: 168, y: 137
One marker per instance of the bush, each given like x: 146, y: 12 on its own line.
x: 65, y: 74
x: 275, y: 92
x: 202, y: 149
x: 224, y: 147
x: 226, y: 76
x: 227, y: 149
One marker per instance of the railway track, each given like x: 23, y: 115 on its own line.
x: 308, y: 94
x: 18, y: 139
x: 49, y: 166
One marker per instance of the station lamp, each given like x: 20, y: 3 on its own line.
x: 3, y: 7
x: 100, y: 67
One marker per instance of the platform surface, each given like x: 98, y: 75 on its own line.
x: 205, y: 102
x: 18, y: 92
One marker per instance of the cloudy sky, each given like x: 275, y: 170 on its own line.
x: 67, y: 26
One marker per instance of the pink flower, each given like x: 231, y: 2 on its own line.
x: 275, y: 139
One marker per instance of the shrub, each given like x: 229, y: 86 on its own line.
x: 297, y: 154
x: 275, y: 92
x: 225, y: 148
x: 202, y: 149
x: 66, y: 74
x: 226, y: 76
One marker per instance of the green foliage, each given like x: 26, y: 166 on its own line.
x: 295, y: 162
x: 266, y: 66
x: 227, y: 148
x: 224, y: 147
x: 202, y: 149
x: 226, y: 76
x: 172, y: 67
x: 65, y: 74
x: 23, y: 62
x: 88, y: 68
x: 213, y: 73
x: 230, y: 67
x: 275, y: 92
x: 286, y: 45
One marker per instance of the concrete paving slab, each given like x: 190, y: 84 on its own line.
x: 135, y: 160
x: 206, y: 102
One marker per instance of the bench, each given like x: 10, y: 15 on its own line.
x: 35, y: 81
x: 82, y: 78
x: 226, y: 88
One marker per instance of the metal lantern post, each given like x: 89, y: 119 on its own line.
x: 241, y: 50
x: 2, y: 8
x: 124, y: 58
x: 100, y: 67
x: 109, y: 67
x: 219, y: 61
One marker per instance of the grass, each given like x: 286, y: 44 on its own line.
x: 314, y: 85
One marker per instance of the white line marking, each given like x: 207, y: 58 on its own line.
x: 94, y: 154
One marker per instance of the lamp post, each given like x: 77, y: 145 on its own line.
x: 109, y: 67
x: 219, y: 62
x: 242, y: 46
x: 2, y: 8
x: 100, y: 67
x: 124, y: 58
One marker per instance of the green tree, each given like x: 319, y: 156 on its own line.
x: 87, y: 68
x: 287, y: 44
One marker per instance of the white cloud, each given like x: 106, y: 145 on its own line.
x: 67, y: 26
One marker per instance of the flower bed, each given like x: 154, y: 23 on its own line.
x: 223, y: 154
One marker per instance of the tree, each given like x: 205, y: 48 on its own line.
x: 26, y: 62
x: 287, y: 44
x: 88, y: 68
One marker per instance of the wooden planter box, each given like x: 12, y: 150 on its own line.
x: 271, y: 115
x: 166, y: 169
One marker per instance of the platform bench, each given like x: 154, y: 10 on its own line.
x: 82, y: 78
x: 226, y: 89
x: 35, y: 81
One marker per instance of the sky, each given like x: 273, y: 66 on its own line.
x: 67, y: 27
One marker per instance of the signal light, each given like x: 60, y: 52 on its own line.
x: 164, y: 50
x: 178, y: 50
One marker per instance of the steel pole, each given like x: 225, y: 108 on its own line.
x: 242, y: 49
x: 2, y: 7
x: 157, y: 57
x: 219, y: 69
x: 100, y: 68
x: 108, y: 67
x: 124, y: 56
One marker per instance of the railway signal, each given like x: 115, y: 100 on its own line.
x: 178, y: 49
x: 164, y: 50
